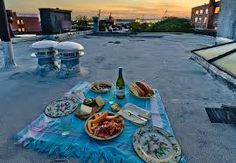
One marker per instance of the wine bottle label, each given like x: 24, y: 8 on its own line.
x: 120, y: 92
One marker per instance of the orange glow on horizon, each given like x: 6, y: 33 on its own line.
x: 119, y: 8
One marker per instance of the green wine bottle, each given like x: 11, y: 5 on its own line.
x: 120, y: 85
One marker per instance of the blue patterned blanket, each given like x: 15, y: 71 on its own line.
x: 44, y: 133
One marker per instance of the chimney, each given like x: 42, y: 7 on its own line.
x: 211, y: 12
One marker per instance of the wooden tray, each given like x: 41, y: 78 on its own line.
x: 95, y: 107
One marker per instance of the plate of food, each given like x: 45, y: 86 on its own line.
x: 101, y: 86
x: 89, y: 107
x: 61, y: 107
x: 104, y: 126
x: 141, y: 89
x: 155, y: 145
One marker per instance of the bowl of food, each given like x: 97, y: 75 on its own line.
x: 141, y: 89
x: 101, y: 86
x: 104, y: 126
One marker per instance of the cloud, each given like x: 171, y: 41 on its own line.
x: 136, y: 11
x: 119, y: 8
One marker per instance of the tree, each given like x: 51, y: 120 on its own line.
x: 135, y: 26
x: 168, y: 24
x: 172, y: 24
x: 82, y: 23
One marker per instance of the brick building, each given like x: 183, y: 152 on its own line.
x: 55, y: 21
x: 206, y: 15
x: 24, y: 23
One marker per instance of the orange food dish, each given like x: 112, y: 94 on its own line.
x: 104, y: 125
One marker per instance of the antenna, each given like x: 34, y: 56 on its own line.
x: 164, y: 14
x: 99, y: 13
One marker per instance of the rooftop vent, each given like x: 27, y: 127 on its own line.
x: 69, y: 53
x: 45, y: 52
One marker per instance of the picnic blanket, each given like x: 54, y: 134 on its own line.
x: 44, y: 133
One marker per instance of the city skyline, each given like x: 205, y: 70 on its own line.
x: 118, y: 8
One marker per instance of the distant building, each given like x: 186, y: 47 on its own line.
x: 55, y: 21
x: 124, y: 21
x: 206, y: 16
x: 129, y: 21
x: 107, y: 24
x: 24, y: 23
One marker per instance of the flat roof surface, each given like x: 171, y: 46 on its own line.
x: 160, y: 58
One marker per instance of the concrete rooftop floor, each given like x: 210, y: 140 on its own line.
x: 162, y: 59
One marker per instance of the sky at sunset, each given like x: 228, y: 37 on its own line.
x: 119, y: 8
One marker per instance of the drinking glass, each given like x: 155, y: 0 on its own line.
x: 111, y: 98
x: 66, y: 124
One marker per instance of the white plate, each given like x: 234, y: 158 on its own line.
x: 138, y: 115
x: 155, y: 145
x: 61, y: 107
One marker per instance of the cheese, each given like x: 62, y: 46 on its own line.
x: 100, y: 101
x: 86, y: 109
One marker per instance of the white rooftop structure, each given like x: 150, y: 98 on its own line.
x: 69, y: 46
x: 44, y: 44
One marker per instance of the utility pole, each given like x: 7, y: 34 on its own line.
x: 8, y: 54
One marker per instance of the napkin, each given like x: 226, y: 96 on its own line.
x: 155, y: 112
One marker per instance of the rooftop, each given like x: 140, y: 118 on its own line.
x: 55, y: 10
x: 162, y: 59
